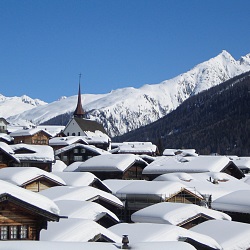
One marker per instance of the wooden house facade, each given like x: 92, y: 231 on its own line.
x: 78, y: 152
x: 139, y: 195
x: 31, y: 136
x: 19, y: 218
x: 117, y: 166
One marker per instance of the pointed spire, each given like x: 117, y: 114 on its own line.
x: 79, y: 112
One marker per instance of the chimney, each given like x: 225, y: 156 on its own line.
x: 125, y: 242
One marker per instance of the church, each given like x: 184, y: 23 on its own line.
x: 79, y: 125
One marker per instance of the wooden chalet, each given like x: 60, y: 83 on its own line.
x: 23, y: 214
x: 35, y: 136
x: 33, y: 179
x: 138, y: 195
x: 78, y: 152
x: 199, y: 164
x: 87, y: 193
x: 117, y: 166
x: 26, y: 155
x: 3, y: 125
x: 177, y: 214
x: 60, y: 142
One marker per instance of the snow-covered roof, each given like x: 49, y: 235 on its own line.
x: 175, y: 213
x: 73, y: 167
x: 242, y: 162
x: 135, y: 147
x: 79, y: 193
x: 151, y: 232
x: 42, y: 153
x: 23, y: 175
x: 91, y: 138
x: 96, y: 137
x: 6, y: 137
x: 110, y: 162
x: 8, y: 150
x: 28, y: 132
x: 77, y: 179
x: 78, y: 230
x: 65, y: 141
x: 52, y: 129
x: 197, y: 164
x: 58, y: 166
x: 161, y: 189
x: 83, y: 210
x: 29, y: 197
x: 91, y: 148
x: 236, y: 201
x: 116, y: 184
x: 183, y: 152
x: 39, y: 245
x: 231, y: 235
x: 204, y: 182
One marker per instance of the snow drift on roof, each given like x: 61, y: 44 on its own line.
x: 109, y: 162
x: 21, y: 175
x: 83, y: 210
x: 77, y: 230
x: 174, y: 213
x: 79, y: 193
x: 30, y: 197
x: 150, y: 232
x: 231, y: 235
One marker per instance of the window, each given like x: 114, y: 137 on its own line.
x: 23, y: 232
x: 83, y: 150
x: 4, y: 233
x: 79, y: 133
x: 13, y: 232
x: 65, y: 158
x: 75, y: 150
x: 77, y: 158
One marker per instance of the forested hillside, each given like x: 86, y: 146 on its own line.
x: 215, y: 121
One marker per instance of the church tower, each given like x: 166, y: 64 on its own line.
x: 79, y: 112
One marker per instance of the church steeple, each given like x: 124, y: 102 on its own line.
x: 79, y: 112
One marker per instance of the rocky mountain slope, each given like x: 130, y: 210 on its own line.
x: 214, y: 121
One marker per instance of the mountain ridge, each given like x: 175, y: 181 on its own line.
x: 126, y: 109
x: 216, y: 120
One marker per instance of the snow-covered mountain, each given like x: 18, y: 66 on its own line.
x: 125, y: 109
x: 16, y: 105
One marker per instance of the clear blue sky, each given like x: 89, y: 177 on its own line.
x: 45, y: 44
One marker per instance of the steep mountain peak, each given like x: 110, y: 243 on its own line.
x: 225, y: 54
